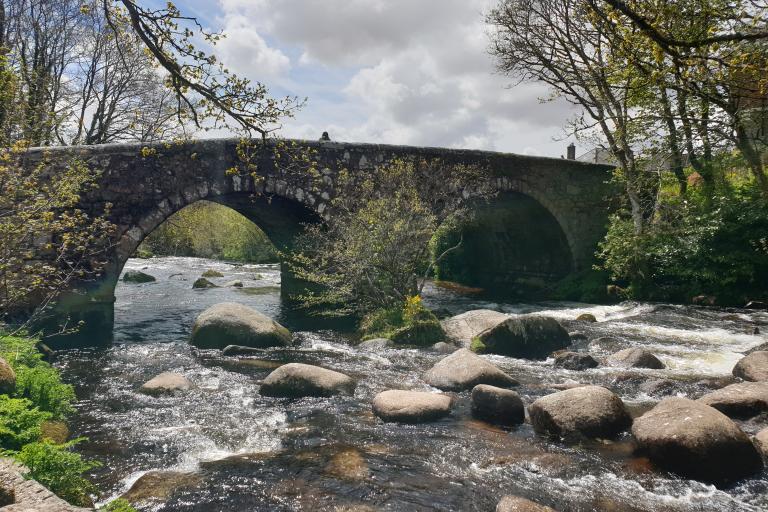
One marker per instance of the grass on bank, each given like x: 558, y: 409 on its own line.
x: 32, y: 415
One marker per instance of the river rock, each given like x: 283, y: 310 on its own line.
x: 756, y: 304
x: 753, y: 367
x: 136, y: 276
x: 518, y: 504
x: 202, y: 283
x: 234, y: 284
x: 464, y: 327
x: 444, y: 348
x: 763, y: 347
x: 230, y: 323
x: 294, y: 380
x: 7, y: 377
x: 376, y: 344
x: 761, y: 442
x: 212, y: 273
x: 588, y: 411
x: 239, y: 350
x: 704, y: 300
x: 525, y: 336
x: 635, y: 357
x: 160, y: 485
x: 586, y: 317
x: 497, y: 405
x: 575, y: 361
x: 166, y: 382
x: 742, y: 400
x: 411, y: 406
x: 464, y: 370
x: 696, y: 441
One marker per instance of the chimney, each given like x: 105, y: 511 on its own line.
x: 571, y: 151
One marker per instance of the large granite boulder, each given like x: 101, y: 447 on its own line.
x: 635, y: 357
x: 575, y: 361
x: 518, y: 504
x: 230, y: 323
x: 753, y: 367
x: 411, y: 406
x: 742, y: 400
x: 497, y: 405
x: 296, y: 380
x: 7, y: 377
x: 695, y: 441
x: 465, y: 370
x: 462, y: 328
x: 525, y: 336
x: 166, y: 383
x: 585, y: 411
x: 136, y: 276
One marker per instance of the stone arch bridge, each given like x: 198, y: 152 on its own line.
x: 146, y: 185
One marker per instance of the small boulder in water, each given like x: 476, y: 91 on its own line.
x: 444, y: 348
x: 166, y: 382
x: 238, y: 350
x: 761, y: 442
x: 203, y: 283
x: 524, y: 336
x: 464, y: 370
x: 753, y: 367
x: 742, y: 400
x: 497, y: 405
x: 295, y: 380
x: 234, y: 284
x: 586, y: 317
x: 7, y: 377
x: 696, y: 441
x: 375, y: 344
x: 212, y: 273
x: 704, y: 300
x: 230, y: 323
x: 518, y: 504
x: 756, y: 304
x: 575, y: 361
x: 158, y: 486
x: 411, y: 406
x: 464, y: 327
x: 136, y: 276
x: 635, y: 357
x: 586, y: 411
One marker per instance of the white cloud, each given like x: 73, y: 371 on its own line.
x: 391, y: 71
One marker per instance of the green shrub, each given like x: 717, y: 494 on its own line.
x: 20, y: 422
x: 414, y: 324
x: 585, y: 286
x: 59, y: 469
x: 118, y: 505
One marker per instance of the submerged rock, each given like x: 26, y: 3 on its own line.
x: 518, y: 504
x: 575, y: 361
x: 348, y: 464
x: 464, y: 370
x: 586, y: 317
x: 136, y: 276
x: 294, y: 380
x: 635, y: 357
x: 411, y: 406
x: 203, y: 283
x: 696, y: 441
x: 160, y: 485
x: 212, y: 273
x: 462, y: 328
x: 230, y: 323
x: 526, y: 336
x: 7, y: 377
x: 239, y: 350
x: 753, y: 367
x: 166, y: 382
x: 742, y: 400
x: 375, y: 345
x: 497, y: 405
x: 588, y: 411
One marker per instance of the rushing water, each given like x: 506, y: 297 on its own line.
x: 232, y: 449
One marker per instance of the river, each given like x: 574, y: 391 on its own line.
x: 231, y: 449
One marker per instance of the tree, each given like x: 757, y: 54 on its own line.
x: 373, y: 252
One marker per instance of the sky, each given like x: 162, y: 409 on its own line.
x: 413, y: 72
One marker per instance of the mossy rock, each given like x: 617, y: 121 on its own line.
x: 7, y: 377
x: 212, y: 273
x: 477, y: 346
x: 56, y: 431
x: 420, y: 333
x: 136, y: 276
x: 203, y: 283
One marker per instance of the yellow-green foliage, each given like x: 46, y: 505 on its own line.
x: 210, y: 230
x: 413, y: 324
